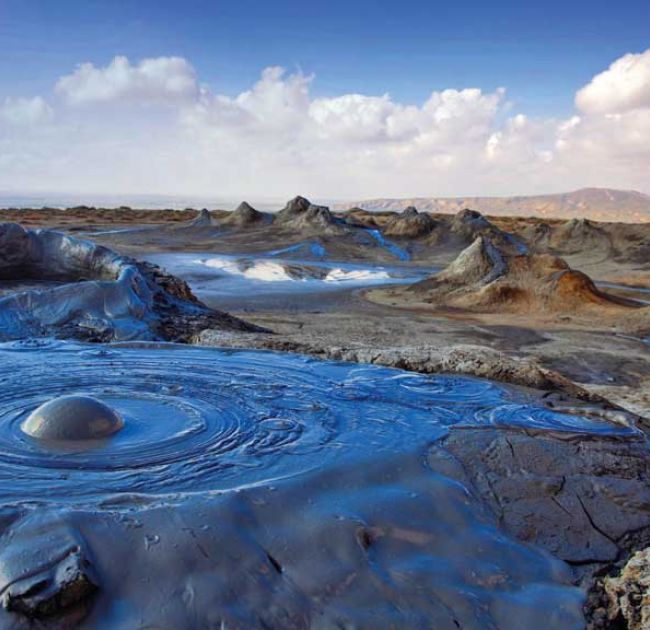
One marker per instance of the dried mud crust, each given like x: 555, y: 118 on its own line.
x: 621, y: 598
x: 585, y: 501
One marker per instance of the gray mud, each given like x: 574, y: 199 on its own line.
x: 256, y: 489
x: 92, y: 293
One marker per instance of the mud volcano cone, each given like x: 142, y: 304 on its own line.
x: 410, y: 224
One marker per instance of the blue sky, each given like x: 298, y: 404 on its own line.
x: 331, y: 99
x: 542, y: 51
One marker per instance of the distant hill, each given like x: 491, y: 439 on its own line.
x: 599, y: 204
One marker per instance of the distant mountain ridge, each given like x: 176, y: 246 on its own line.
x: 599, y: 204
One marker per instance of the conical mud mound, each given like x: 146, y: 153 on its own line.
x: 467, y: 225
x: 245, y: 216
x: 301, y: 215
x: 580, y: 235
x: 484, y: 277
x: 204, y: 219
x: 410, y: 224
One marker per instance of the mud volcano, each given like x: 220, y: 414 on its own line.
x: 486, y: 277
x: 257, y: 489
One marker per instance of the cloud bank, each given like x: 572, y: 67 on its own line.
x: 152, y: 127
x: 161, y: 80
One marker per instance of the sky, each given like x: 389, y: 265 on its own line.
x: 340, y: 100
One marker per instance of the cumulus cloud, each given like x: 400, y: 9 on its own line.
x: 25, y: 111
x: 279, y: 105
x: 624, y: 86
x: 277, y: 139
x: 158, y: 80
x: 608, y: 148
x: 341, y: 143
x: 274, y: 104
x: 609, y: 139
x: 523, y: 139
x: 359, y: 117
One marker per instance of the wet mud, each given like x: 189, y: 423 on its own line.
x: 92, y: 292
x: 261, y: 489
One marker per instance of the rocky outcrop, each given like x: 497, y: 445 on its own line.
x: 410, y: 224
x: 627, y: 595
x: 485, y: 277
x: 96, y: 294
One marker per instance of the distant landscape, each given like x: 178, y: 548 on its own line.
x: 598, y: 204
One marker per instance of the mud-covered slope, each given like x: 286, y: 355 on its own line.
x: 443, y: 232
x: 91, y: 292
x: 582, y: 239
x: 260, y: 490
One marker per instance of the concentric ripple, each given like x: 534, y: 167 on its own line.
x: 199, y: 419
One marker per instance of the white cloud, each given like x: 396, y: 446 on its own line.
x: 25, y: 111
x: 277, y: 133
x: 359, y: 117
x: 158, y: 80
x: 274, y: 104
x: 612, y: 148
x: 524, y: 140
x: 624, y: 86
x: 277, y: 139
x: 372, y: 118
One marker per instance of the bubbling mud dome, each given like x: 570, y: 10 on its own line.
x: 71, y: 419
x: 273, y: 490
